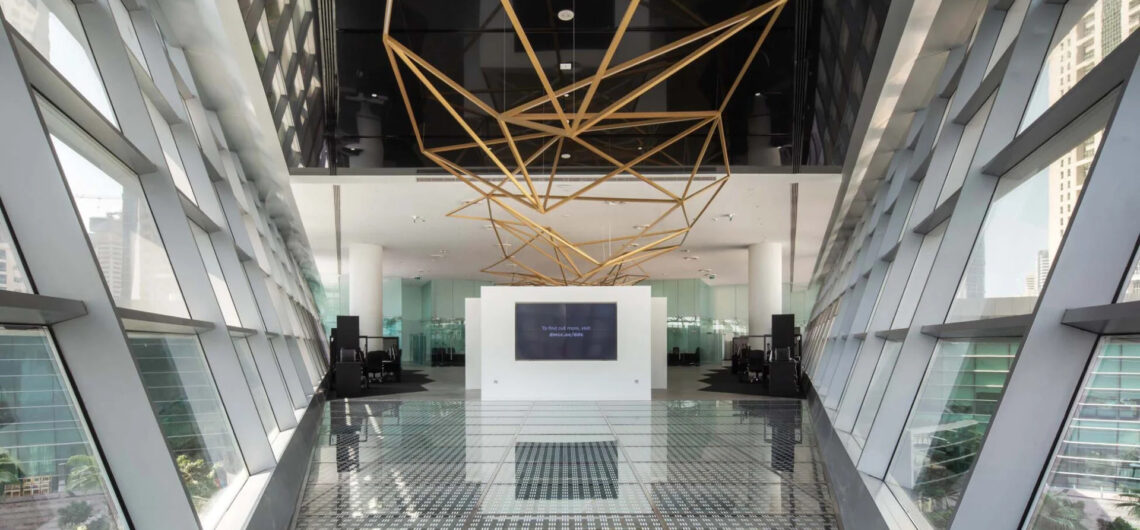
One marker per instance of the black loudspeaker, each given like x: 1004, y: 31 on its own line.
x: 783, y: 331
x: 348, y: 332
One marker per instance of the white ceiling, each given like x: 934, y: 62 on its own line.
x: 380, y: 210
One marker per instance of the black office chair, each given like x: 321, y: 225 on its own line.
x: 695, y: 359
x: 674, y: 357
x: 374, y: 365
x: 757, y: 361
x: 391, y: 365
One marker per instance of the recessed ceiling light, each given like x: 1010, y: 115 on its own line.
x: 566, y: 15
x: 565, y: 156
x: 375, y: 95
x: 725, y: 217
x: 757, y: 94
x: 418, y: 219
x: 691, y: 258
x: 685, y: 251
x: 640, y: 227
x: 565, y: 67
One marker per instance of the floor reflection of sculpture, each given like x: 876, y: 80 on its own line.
x: 783, y: 431
x: 346, y: 433
x: 566, y: 470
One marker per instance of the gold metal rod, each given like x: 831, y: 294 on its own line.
x: 648, y: 56
x: 673, y: 68
x: 609, y: 55
x: 510, y: 11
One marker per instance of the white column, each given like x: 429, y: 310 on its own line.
x: 765, y: 274
x: 365, y: 286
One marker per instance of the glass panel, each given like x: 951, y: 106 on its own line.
x: 964, y: 156
x: 256, y: 387
x: 50, y: 472
x: 1085, y: 35
x: 221, y: 289
x: 117, y: 217
x: 193, y: 420
x: 875, y: 391
x: 1026, y: 220
x: 170, y: 152
x: 946, y: 426
x: 12, y: 275
x: 1093, y: 480
x: 1010, y: 27
x: 262, y: 42
x: 1131, y: 289
x: 53, y: 28
x: 127, y: 31
x: 918, y: 275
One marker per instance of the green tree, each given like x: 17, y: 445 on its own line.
x: 1116, y: 524
x: 9, y: 470
x: 1056, y: 513
x: 83, y: 474
x: 1131, y: 502
x: 102, y: 523
x: 199, y: 478
x: 72, y: 516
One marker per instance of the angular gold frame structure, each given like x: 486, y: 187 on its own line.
x: 514, y: 198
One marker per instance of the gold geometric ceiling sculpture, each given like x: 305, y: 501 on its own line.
x: 516, y: 197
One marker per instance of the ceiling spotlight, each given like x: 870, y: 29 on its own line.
x: 418, y: 219
x: 375, y: 95
x: 565, y: 67
x: 706, y: 271
x: 615, y: 203
x: 640, y: 227
x: 690, y: 258
x: 565, y: 156
x: 566, y: 15
x: 757, y: 94
x: 725, y: 216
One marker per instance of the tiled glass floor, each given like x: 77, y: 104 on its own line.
x: 581, y: 465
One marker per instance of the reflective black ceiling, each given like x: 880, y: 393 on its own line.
x: 782, y: 116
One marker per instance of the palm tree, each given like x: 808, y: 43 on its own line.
x: 9, y: 471
x: 1131, y: 502
x: 1059, y: 514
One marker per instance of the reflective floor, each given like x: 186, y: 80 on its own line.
x: 544, y: 465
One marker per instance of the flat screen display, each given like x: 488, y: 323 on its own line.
x: 566, y: 331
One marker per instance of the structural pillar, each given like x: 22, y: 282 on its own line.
x: 365, y: 286
x: 765, y: 289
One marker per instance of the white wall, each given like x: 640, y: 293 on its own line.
x: 504, y: 378
x: 658, y: 344
x: 472, y: 343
